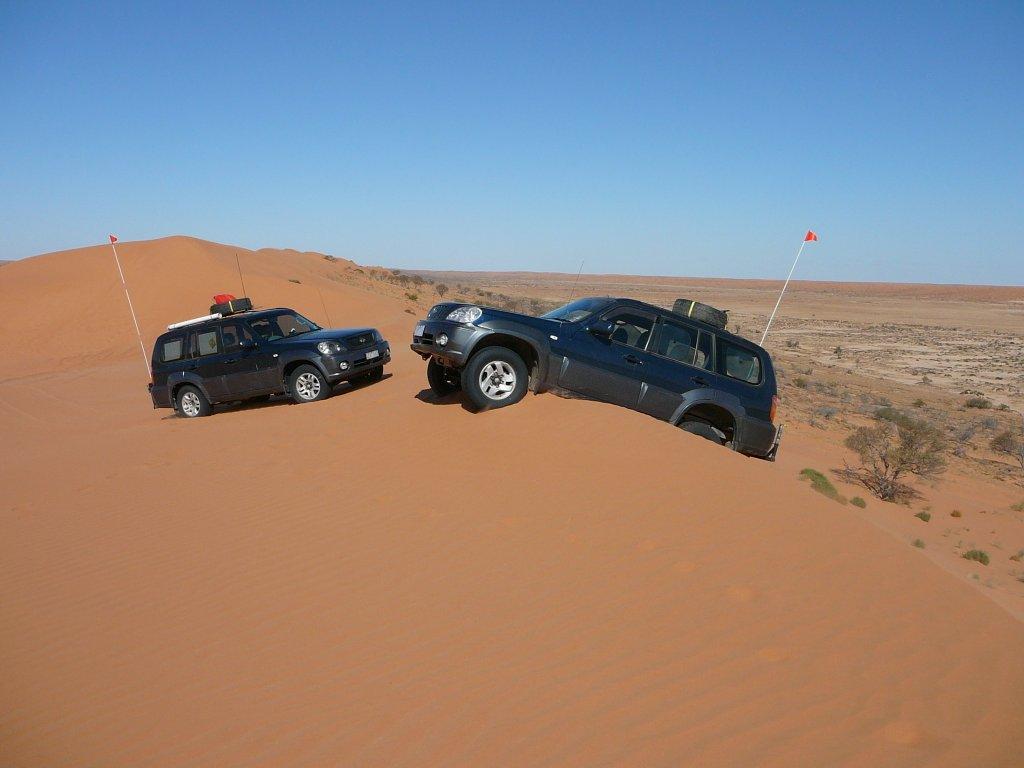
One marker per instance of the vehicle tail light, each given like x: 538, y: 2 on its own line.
x: 774, y: 410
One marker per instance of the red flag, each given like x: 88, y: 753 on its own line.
x: 113, y: 239
x: 810, y: 237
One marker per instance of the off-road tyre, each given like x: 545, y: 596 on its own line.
x: 443, y: 380
x: 191, y: 403
x: 701, y: 429
x: 495, y: 377
x: 307, y: 385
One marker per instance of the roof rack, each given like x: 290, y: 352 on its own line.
x: 195, y: 320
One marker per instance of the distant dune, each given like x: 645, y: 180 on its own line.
x: 387, y: 579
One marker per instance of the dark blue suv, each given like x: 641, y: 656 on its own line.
x: 252, y: 355
x: 701, y: 378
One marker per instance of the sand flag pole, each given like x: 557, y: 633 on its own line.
x: 810, y: 237
x: 145, y: 360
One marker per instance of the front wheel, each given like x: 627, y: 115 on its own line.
x: 443, y: 380
x: 307, y: 385
x: 495, y: 377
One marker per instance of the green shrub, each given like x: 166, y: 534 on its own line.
x: 978, y: 402
x: 412, y: 296
x: 822, y: 484
x: 926, y: 516
x: 977, y: 555
x: 956, y: 513
x: 1018, y: 507
x: 918, y: 543
x: 919, y: 403
x: 857, y: 501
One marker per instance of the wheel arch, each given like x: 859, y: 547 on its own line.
x: 532, y: 351
x: 722, y: 411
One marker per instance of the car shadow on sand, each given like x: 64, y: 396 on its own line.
x: 429, y: 397
x: 343, y: 388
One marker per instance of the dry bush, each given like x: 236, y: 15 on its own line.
x: 1009, y: 444
x: 441, y: 289
x: 891, y: 451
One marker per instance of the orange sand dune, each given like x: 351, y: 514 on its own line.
x: 383, y: 579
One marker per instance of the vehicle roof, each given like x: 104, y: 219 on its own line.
x: 248, y: 314
x: 700, y: 323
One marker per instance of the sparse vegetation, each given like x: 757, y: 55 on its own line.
x: 822, y: 484
x: 1018, y: 507
x: 294, y: 280
x: 956, y: 513
x: 891, y: 451
x: 1018, y: 556
x: 919, y: 403
x: 1010, y: 445
x: 978, y: 402
x: 919, y: 543
x: 792, y: 343
x: 838, y: 352
x: 800, y: 382
x: 977, y: 555
x: 857, y: 501
x: 328, y: 257
x: 441, y: 289
x: 925, y: 516
x: 412, y: 296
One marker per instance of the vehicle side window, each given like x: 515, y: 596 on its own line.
x: 207, y: 342
x: 738, y: 362
x: 172, y: 349
x: 631, y: 327
x: 684, y: 344
x: 233, y: 334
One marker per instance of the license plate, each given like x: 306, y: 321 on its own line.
x: 372, y: 354
x: 419, y: 330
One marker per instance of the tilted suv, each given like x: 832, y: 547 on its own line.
x: 699, y: 377
x: 258, y: 354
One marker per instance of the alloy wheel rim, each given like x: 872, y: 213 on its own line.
x: 497, y: 380
x: 190, y: 403
x: 308, y: 386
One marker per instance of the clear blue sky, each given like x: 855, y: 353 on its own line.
x: 662, y: 138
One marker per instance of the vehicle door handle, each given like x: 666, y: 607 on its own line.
x: 700, y: 381
x: 633, y: 360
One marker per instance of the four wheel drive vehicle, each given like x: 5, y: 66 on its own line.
x: 257, y: 354
x: 690, y: 373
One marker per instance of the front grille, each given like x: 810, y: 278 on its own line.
x: 359, y: 341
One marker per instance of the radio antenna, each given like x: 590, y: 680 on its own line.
x: 324, y: 305
x: 240, y: 278
x: 573, y: 291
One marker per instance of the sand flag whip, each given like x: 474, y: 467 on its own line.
x: 145, y: 360
x: 810, y: 237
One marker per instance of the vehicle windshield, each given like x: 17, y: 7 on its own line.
x: 281, y: 325
x: 576, y: 310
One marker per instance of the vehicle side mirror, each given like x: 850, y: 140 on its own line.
x: 602, y: 329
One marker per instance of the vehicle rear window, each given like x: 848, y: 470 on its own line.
x: 173, y: 349
x: 738, y: 362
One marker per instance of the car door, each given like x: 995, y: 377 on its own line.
x: 241, y: 359
x: 208, y: 361
x: 608, y: 368
x: 681, y: 359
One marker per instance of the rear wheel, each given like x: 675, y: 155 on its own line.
x: 495, y: 377
x: 442, y: 379
x: 191, y: 403
x: 307, y: 385
x: 706, y: 431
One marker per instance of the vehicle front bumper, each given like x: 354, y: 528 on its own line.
x: 461, y: 340
x: 356, y: 362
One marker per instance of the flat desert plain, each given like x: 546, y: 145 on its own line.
x: 387, y: 579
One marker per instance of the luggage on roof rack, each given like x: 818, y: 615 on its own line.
x: 704, y: 312
x: 226, y: 304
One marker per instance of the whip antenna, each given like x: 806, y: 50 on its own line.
x: 580, y: 272
x: 240, y: 278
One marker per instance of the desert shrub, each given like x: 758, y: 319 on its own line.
x: 328, y: 257
x: 857, y: 501
x: 822, y: 484
x: 926, y: 516
x: 441, y: 289
x: 977, y: 555
x: 919, y: 403
x: 892, y: 450
x: 792, y: 343
x: 1018, y: 556
x: 293, y: 280
x: 1009, y: 444
x: 978, y: 402
x: 412, y: 296
x: 918, y: 543
x: 838, y: 351
x: 1018, y: 507
x: 956, y: 513
x: 888, y: 413
x: 826, y: 411
x: 962, y: 438
x: 1002, y: 407
x: 989, y: 423
x: 800, y: 382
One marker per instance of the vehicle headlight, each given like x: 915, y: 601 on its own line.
x: 465, y: 314
x: 328, y: 347
x: 377, y: 337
